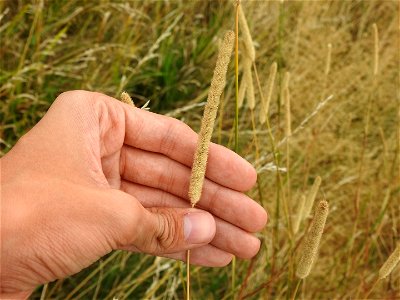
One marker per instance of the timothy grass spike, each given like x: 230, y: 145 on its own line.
x: 286, y: 80
x: 248, y: 78
x: 390, y: 263
x: 299, y: 216
x: 270, y: 88
x: 242, y: 92
x: 127, y: 99
x: 210, y: 112
x: 312, y: 241
x: 311, y: 196
x: 248, y: 40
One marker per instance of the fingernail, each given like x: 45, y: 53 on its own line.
x: 198, y: 227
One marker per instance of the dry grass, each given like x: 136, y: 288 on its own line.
x: 165, y: 51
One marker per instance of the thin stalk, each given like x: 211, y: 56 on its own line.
x: 188, y: 270
x: 289, y: 194
x: 280, y: 50
x: 188, y: 275
x: 237, y: 77
x: 371, y: 289
x: 252, y: 117
x: 276, y: 159
x: 233, y: 283
x: 43, y: 295
x: 295, y: 290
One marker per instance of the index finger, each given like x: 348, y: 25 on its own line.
x: 173, y: 138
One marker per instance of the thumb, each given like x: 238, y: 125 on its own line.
x: 169, y: 230
x: 158, y: 230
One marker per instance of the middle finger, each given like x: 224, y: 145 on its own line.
x: 158, y: 171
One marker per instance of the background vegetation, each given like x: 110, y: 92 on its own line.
x: 165, y: 51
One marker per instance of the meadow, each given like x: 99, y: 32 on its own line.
x: 343, y: 58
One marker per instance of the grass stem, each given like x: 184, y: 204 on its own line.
x: 296, y: 289
x: 188, y: 275
x: 233, y: 283
x: 44, y: 290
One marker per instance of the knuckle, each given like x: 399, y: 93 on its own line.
x: 73, y: 96
x: 169, y: 233
x: 73, y: 102
x: 80, y: 99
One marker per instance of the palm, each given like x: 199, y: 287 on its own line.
x: 110, y: 145
x: 149, y: 156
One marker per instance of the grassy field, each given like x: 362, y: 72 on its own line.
x: 345, y: 127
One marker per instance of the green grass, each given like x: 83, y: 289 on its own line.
x: 165, y: 52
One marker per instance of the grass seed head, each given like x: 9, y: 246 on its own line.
x: 270, y: 88
x: 390, y: 263
x: 286, y: 80
x: 127, y: 99
x: 311, y: 196
x: 210, y: 112
x: 312, y: 241
x: 299, y: 216
x: 262, y: 116
x: 242, y: 92
x: 248, y: 77
x: 248, y: 41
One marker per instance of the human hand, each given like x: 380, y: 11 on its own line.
x: 96, y: 175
